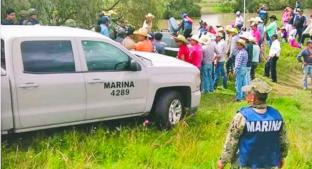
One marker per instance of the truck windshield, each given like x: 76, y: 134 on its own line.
x: 2, y: 55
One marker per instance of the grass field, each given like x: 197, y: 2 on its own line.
x: 196, y: 143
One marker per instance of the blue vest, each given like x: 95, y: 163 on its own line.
x: 262, y: 14
x: 259, y: 145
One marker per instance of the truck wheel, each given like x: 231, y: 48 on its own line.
x: 168, y: 109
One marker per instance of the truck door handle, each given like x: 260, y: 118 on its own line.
x: 28, y: 85
x: 95, y: 81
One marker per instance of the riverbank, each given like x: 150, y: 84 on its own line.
x: 196, y: 143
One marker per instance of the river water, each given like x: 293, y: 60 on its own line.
x: 225, y: 18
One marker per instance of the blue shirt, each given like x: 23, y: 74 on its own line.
x: 104, y: 30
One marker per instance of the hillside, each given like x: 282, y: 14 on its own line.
x: 195, y: 144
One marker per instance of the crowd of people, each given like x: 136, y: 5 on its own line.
x: 27, y: 17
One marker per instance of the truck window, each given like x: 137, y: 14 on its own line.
x: 47, y: 56
x: 2, y: 55
x: 102, y: 56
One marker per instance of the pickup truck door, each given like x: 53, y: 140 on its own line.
x: 112, y: 89
x: 49, y: 90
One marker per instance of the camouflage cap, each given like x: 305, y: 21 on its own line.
x: 259, y: 86
x: 23, y: 13
x: 32, y: 11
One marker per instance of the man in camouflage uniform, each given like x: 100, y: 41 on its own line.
x: 257, y: 135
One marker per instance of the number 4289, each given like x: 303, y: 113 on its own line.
x: 120, y: 92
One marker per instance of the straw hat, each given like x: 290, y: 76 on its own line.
x: 233, y: 30
x: 141, y: 31
x: 242, y: 42
x: 181, y: 38
x: 252, y: 20
x: 149, y: 15
x: 204, y: 39
x: 196, y: 38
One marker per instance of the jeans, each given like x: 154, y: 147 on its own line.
x: 248, y: 78
x: 206, y: 75
x: 307, y: 71
x: 220, y: 71
x: 240, y: 82
x: 253, y: 70
x: 230, y: 64
x: 270, y: 68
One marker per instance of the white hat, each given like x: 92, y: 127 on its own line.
x: 258, y: 19
x: 245, y: 35
x: 238, y: 13
x: 196, y: 38
x: 204, y: 39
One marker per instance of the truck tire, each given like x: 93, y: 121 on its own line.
x: 168, y: 110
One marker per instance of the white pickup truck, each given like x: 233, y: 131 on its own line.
x: 60, y: 76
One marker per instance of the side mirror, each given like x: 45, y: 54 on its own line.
x: 135, y: 66
x: 3, y: 72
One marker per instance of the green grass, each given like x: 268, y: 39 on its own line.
x: 194, y: 144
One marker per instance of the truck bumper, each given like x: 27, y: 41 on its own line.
x: 196, y: 95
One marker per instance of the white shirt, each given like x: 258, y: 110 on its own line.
x: 221, y: 46
x: 275, y: 49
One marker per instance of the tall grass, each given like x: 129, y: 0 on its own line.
x: 194, y: 144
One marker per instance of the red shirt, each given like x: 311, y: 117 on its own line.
x: 184, y: 53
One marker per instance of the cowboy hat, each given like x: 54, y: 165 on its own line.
x: 204, y: 39
x: 233, y: 30
x: 181, y: 38
x: 149, y: 15
x: 242, y: 42
x: 273, y: 17
x: 196, y: 38
x: 244, y: 36
x: 220, y: 29
x: 141, y: 31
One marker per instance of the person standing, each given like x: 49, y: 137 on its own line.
x: 307, y: 33
x: 10, y: 17
x: 239, y: 20
x: 184, y: 51
x: 255, y: 57
x: 255, y: 32
x: 263, y: 14
x: 307, y: 63
x: 240, y: 69
x: 128, y: 42
x: 220, y: 59
x: 33, y: 17
x: 210, y: 50
x: 274, y: 53
x: 148, y: 22
x: 196, y: 52
x: 104, y: 26
x: 249, y: 48
x: 143, y: 44
x: 186, y: 25
x: 271, y: 29
x: 234, y: 37
x: 159, y: 44
x: 257, y: 134
x: 300, y: 22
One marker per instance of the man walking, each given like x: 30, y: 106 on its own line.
x: 274, y: 53
x: 240, y: 69
x: 257, y: 135
x: 307, y: 63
